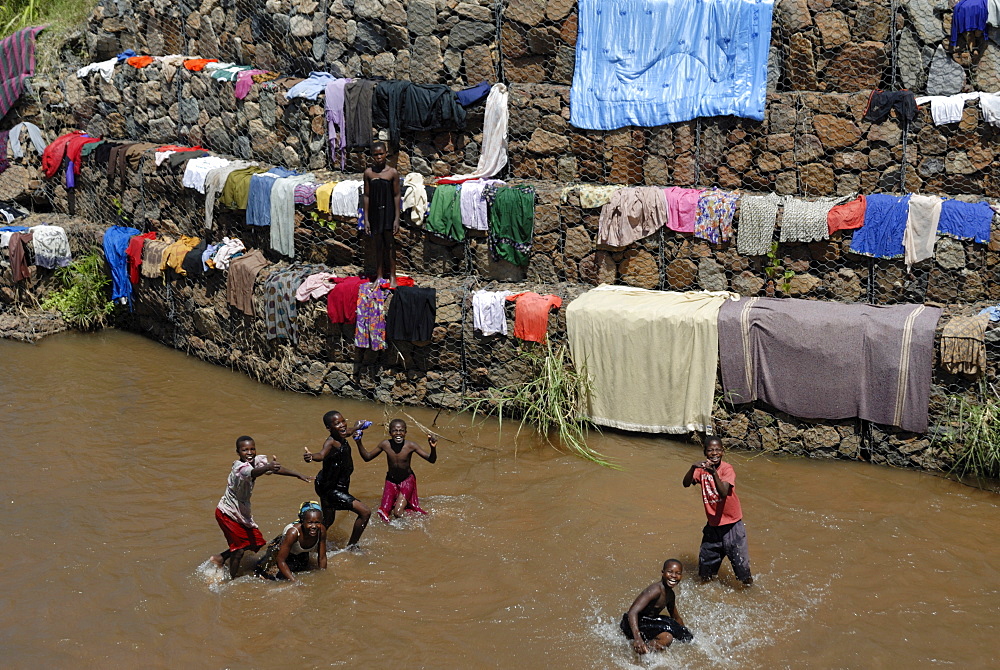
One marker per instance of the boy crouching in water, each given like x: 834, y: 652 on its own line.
x: 400, y: 492
x: 233, y: 512
x: 643, y: 623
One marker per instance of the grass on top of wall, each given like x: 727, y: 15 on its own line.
x: 61, y: 16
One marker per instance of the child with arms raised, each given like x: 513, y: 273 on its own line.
x: 400, y: 491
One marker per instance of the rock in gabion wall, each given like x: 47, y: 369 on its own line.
x: 191, y: 314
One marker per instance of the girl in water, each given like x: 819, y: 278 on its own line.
x: 381, y: 209
x: 289, y: 552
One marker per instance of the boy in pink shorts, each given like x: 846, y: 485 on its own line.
x: 400, y: 492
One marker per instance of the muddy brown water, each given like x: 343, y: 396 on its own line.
x: 116, y: 450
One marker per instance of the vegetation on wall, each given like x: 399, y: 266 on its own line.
x: 83, y: 298
x: 551, y: 401
x: 974, y: 431
x: 60, y: 16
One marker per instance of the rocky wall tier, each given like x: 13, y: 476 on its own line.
x: 191, y: 314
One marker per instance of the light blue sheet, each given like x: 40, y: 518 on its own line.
x: 653, y: 62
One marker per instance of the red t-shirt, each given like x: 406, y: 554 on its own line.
x: 531, y: 314
x: 134, y: 254
x: 720, y: 511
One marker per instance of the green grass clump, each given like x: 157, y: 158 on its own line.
x: 83, y: 298
x: 60, y: 16
x: 975, y: 431
x: 551, y: 402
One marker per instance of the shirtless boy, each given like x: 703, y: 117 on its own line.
x: 643, y: 623
x: 400, y: 492
x: 334, y: 479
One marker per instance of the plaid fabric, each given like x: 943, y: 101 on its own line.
x: 17, y: 63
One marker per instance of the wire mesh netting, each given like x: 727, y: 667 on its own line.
x: 825, y: 60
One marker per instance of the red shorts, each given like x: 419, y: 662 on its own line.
x: 237, y: 535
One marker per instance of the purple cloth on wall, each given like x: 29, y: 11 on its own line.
x: 4, y: 163
x: 824, y: 360
x: 244, y: 82
x: 17, y: 63
x: 335, y: 120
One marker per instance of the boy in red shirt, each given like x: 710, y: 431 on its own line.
x: 724, y: 534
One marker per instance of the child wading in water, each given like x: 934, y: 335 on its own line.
x: 289, y: 552
x: 334, y: 479
x: 233, y: 512
x: 724, y: 534
x: 400, y: 492
x: 643, y: 623
x: 381, y: 208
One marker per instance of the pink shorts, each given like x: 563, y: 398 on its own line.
x: 408, y: 487
x: 237, y: 535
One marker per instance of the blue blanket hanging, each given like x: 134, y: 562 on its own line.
x: 653, y: 62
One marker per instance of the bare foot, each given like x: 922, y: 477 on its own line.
x: 354, y: 549
x: 217, y: 560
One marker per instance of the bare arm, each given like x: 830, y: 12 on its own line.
x: 321, y: 549
x: 723, y: 487
x: 364, y: 203
x: 649, y: 594
x: 676, y: 615
x: 309, y: 457
x: 395, y: 198
x: 689, y: 476
x: 429, y: 457
x: 286, y: 544
x: 282, y: 470
x: 366, y: 455
x: 266, y: 468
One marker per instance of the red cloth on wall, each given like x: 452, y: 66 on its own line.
x: 848, y: 216
x: 139, y: 61
x: 342, y: 300
x: 133, y: 254
x: 531, y: 314
x: 53, y: 155
x: 73, y: 148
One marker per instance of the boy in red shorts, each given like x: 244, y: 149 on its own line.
x: 233, y: 512
x: 724, y: 535
x: 400, y: 492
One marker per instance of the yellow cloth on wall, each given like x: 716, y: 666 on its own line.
x: 651, y: 356
x: 323, y: 196
x: 174, y: 255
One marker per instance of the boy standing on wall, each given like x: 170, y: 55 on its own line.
x: 233, y: 512
x: 724, y: 535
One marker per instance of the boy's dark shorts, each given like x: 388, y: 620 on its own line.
x: 338, y: 499
x: 651, y: 626
x: 725, y: 541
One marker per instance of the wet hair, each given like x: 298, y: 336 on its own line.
x: 329, y: 415
x: 241, y: 439
x: 669, y: 561
x: 379, y: 144
x: 400, y: 421
x: 309, y: 506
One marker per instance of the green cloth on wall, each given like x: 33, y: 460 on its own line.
x: 512, y: 223
x: 445, y: 216
x: 236, y: 191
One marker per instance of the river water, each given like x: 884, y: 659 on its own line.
x: 116, y: 451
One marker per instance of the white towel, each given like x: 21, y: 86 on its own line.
x: 921, y: 228
x: 105, y: 67
x: 990, y: 104
x: 947, y: 108
x: 494, y: 154
x: 344, y: 198
x: 415, y: 197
